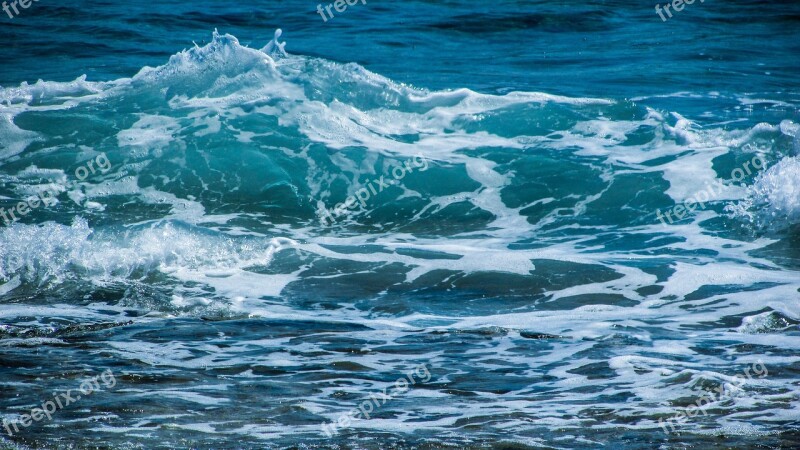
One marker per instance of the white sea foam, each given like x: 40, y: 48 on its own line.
x: 773, y: 201
x: 588, y: 288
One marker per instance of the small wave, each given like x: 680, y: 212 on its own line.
x: 773, y: 201
x: 50, y: 254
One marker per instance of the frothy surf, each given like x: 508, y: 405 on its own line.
x: 532, y: 236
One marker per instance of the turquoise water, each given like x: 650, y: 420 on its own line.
x: 413, y: 225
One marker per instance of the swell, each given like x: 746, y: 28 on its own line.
x: 521, y: 255
x: 235, y: 141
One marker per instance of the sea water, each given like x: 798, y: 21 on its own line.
x: 561, y: 224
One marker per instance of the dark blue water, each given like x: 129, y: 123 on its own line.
x: 425, y: 224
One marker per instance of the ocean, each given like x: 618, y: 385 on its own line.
x: 425, y: 224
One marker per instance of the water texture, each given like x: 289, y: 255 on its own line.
x: 563, y: 224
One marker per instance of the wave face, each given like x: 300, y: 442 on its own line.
x: 257, y: 241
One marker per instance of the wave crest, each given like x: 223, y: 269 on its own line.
x: 773, y: 201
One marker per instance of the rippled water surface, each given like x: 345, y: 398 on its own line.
x: 465, y: 224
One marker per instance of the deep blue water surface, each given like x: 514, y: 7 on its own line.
x: 563, y: 224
